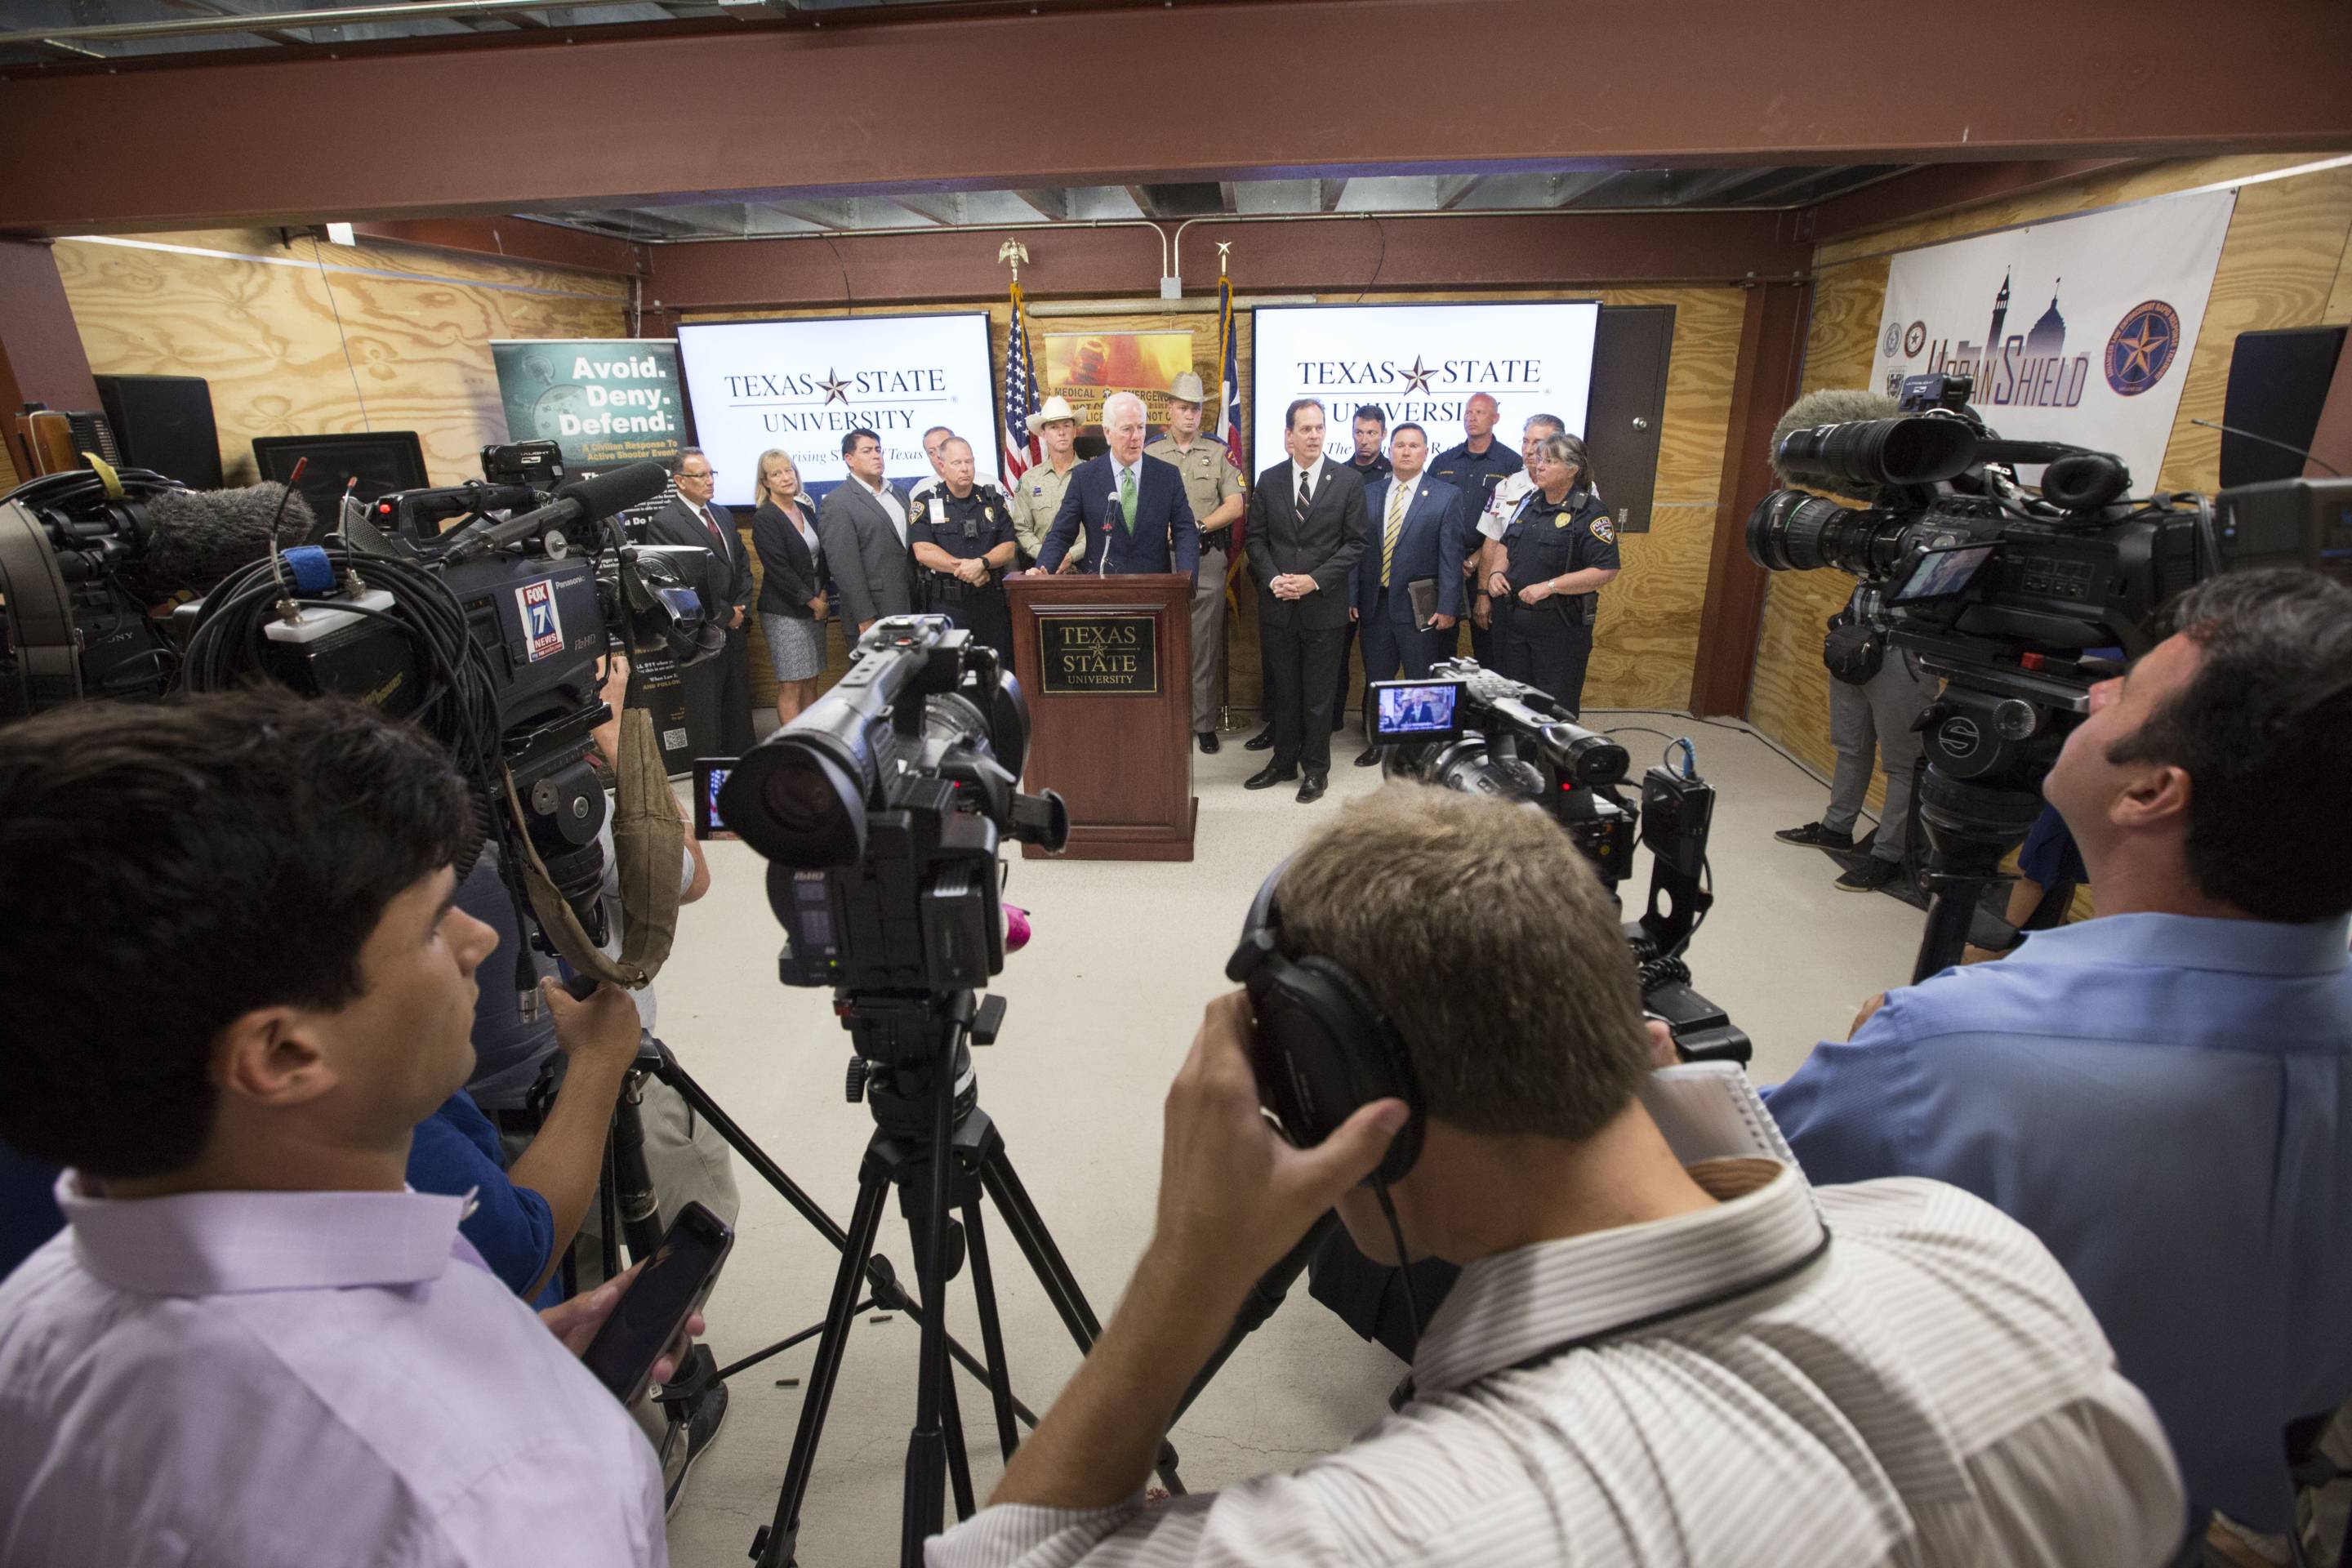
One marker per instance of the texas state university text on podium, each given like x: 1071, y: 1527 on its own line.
x: 1107, y: 665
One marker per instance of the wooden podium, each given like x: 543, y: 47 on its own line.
x: 1107, y: 665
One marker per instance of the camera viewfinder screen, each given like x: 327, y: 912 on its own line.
x: 1417, y: 711
x: 1941, y: 573
x: 709, y: 778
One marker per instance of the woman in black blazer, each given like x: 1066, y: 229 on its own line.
x: 792, y: 609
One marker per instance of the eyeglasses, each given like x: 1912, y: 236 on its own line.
x: 698, y: 474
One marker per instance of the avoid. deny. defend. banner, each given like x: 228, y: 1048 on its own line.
x: 2078, y: 330
x: 605, y: 401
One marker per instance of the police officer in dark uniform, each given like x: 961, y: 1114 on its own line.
x: 1542, y: 580
x: 961, y: 537
x: 1475, y: 467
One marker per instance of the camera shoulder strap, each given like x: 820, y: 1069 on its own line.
x: 648, y: 847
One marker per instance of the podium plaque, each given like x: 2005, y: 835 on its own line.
x: 1107, y: 665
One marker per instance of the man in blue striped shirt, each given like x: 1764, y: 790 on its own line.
x: 2164, y: 1094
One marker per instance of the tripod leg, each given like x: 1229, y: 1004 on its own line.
x: 775, y: 1550
x: 959, y: 1461
x: 1045, y: 1258
x: 608, y: 1211
x: 1950, y: 914
x: 1061, y: 1285
x: 991, y: 1332
x: 926, y: 1444
x: 633, y: 1182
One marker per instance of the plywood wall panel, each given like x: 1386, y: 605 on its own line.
x: 388, y: 338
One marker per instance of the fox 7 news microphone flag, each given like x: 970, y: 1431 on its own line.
x: 1020, y: 446
x: 1229, y: 419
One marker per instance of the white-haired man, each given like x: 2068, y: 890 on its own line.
x: 1130, y: 508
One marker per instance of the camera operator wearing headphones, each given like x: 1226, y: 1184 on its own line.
x: 1642, y: 1362
x: 247, y: 983
x: 2163, y: 1094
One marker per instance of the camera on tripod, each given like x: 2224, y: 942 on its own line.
x: 881, y: 808
x: 1470, y: 729
x: 2006, y: 592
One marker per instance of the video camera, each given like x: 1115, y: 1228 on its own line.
x: 2007, y: 592
x: 473, y: 614
x: 1470, y: 729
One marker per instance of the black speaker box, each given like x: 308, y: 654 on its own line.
x: 2278, y: 384
x: 165, y: 422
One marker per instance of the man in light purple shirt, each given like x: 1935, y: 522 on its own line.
x: 242, y: 983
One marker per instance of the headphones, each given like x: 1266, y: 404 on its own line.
x: 1322, y: 1047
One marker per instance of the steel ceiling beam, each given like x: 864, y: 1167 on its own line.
x: 1452, y: 188
x: 1053, y: 205
x: 171, y: 142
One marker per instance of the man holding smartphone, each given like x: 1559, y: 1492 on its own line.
x: 251, y: 986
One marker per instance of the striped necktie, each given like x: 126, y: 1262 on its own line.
x: 1398, y: 493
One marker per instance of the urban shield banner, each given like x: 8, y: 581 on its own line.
x: 2078, y: 330
x: 605, y: 401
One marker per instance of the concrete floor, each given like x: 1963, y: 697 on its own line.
x: 1104, y: 1002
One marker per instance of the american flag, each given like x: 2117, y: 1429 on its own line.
x: 1021, y: 401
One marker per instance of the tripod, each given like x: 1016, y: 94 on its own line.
x: 630, y: 1215
x: 939, y: 1150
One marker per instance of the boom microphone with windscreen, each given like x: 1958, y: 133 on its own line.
x: 195, y: 538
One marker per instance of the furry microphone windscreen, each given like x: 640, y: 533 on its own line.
x: 198, y: 537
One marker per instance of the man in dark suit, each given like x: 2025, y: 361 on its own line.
x: 1306, y: 532
x: 862, y: 528
x: 693, y: 517
x: 1418, y: 528
x: 1131, y: 507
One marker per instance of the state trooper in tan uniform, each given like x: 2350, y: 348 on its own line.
x: 1037, y: 493
x: 1214, y: 486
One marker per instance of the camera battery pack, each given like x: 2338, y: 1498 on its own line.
x: 356, y: 652
x: 1676, y: 812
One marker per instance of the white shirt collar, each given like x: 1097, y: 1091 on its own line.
x: 213, y: 1243
x: 1309, y: 474
x: 1516, y: 1304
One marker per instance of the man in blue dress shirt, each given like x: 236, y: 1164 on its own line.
x: 2164, y: 1094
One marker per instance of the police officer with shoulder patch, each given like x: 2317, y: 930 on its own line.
x: 961, y: 537
x: 1540, y: 582
x: 1475, y: 467
x: 1214, y: 488
x: 1037, y: 494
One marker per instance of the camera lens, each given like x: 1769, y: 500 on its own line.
x: 1784, y: 531
x: 801, y: 801
x: 1917, y: 449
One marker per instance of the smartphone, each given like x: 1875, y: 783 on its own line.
x: 709, y: 778
x: 674, y: 1283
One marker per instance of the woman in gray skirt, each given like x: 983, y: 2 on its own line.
x: 792, y: 609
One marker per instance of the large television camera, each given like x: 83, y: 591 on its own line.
x: 2010, y: 594
x: 881, y: 809
x: 482, y: 614
x: 1470, y: 729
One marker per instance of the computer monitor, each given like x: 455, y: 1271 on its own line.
x: 382, y: 460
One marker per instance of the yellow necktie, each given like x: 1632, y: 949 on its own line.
x: 1397, y: 495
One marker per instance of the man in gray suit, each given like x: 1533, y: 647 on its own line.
x: 1307, y: 525
x: 693, y: 517
x: 862, y: 528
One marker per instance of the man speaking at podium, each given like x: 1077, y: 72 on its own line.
x: 1131, y: 507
